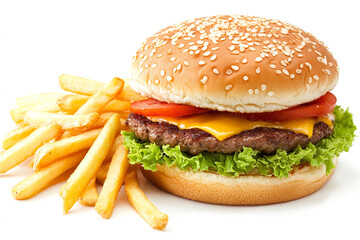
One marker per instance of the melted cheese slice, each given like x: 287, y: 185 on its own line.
x: 223, y: 125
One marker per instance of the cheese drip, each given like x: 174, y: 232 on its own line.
x: 223, y: 125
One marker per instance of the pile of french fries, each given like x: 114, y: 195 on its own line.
x: 78, y: 132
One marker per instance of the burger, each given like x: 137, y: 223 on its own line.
x: 238, y: 111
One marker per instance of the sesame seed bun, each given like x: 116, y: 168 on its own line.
x: 243, y: 190
x: 234, y: 63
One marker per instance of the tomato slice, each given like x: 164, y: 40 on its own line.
x: 318, y: 107
x: 152, y: 107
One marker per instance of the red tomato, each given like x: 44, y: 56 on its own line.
x: 152, y: 107
x: 318, y: 107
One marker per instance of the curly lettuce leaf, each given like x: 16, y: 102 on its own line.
x: 247, y: 160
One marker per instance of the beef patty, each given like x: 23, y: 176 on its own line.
x: 194, y: 141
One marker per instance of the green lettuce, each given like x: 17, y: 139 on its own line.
x: 247, y: 160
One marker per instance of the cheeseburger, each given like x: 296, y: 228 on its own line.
x: 238, y: 111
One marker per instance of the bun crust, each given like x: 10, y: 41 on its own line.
x: 244, y: 190
x: 234, y: 63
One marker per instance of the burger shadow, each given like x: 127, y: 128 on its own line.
x: 338, y: 186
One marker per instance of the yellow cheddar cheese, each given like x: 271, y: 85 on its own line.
x: 223, y: 125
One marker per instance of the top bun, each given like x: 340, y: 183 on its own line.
x: 234, y: 63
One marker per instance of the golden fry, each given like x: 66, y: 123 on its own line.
x: 113, y: 182
x: 89, y: 166
x: 66, y: 122
x: 90, y: 87
x: 148, y: 211
x: 16, y: 135
x: 49, y: 152
x: 71, y: 103
x: 100, y: 99
x: 102, y: 173
x: 79, y: 85
x: 38, y: 99
x: 90, y: 195
x: 27, y: 147
x: 18, y: 114
x: 36, y: 182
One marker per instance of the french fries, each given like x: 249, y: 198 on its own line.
x: 49, y: 152
x: 89, y: 166
x: 16, y: 135
x: 37, y: 119
x: 90, y: 195
x: 79, y: 85
x: 102, y: 173
x: 27, y: 147
x: 101, y: 98
x: 76, y: 137
x: 18, y: 113
x: 148, y: 211
x: 35, y: 99
x: 89, y: 87
x: 71, y: 103
x: 113, y: 182
x: 36, y: 182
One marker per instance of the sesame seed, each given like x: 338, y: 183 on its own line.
x: 213, y: 57
x: 278, y: 71
x: 191, y: 43
x: 172, y: 59
x: 153, y: 65
x: 258, y: 59
x: 244, y: 60
x: 263, y: 87
x: 228, y: 87
x: 257, y: 70
x: 216, y: 71
x: 186, y: 63
x: 235, y: 67
x: 310, y: 80
x: 272, y: 66
x: 204, y: 80
x: 231, y: 48
x: 256, y: 91
x: 193, y: 48
x: 207, y: 53
x: 160, y: 55
x: 286, y: 72
x: 251, y: 91
x: 245, y: 78
x: 327, y: 71
x: 228, y: 72
x: 168, y: 86
x: 316, y: 77
x: 156, y: 81
x: 202, y: 62
x: 162, y: 73
x: 215, y: 48
x: 292, y: 76
x: 181, y: 45
x: 178, y: 66
x: 271, y: 94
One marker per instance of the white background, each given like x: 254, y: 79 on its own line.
x: 39, y: 40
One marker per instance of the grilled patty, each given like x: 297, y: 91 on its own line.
x: 194, y: 141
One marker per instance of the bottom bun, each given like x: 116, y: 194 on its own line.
x: 243, y: 190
